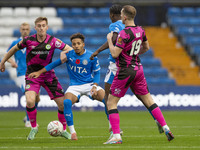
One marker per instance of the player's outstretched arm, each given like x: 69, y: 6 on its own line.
x: 67, y: 48
x: 104, y: 46
x: 12, y: 62
x: 7, y: 56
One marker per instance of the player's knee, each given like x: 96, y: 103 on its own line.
x: 67, y: 103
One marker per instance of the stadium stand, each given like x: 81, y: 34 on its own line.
x: 185, y: 23
x: 65, y: 21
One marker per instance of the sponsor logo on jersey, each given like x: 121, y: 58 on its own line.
x: 27, y: 86
x: 85, y: 62
x: 119, y: 41
x: 48, y: 46
x: 78, y: 69
x: 58, y: 43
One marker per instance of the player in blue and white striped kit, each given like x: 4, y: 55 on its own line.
x: 20, y: 64
x: 84, y: 77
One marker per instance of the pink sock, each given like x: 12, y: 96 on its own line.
x: 158, y: 116
x: 114, y: 121
x: 32, y: 117
x: 61, y: 118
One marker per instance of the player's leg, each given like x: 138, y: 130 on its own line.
x: 114, y: 120
x: 160, y: 129
x: 61, y: 116
x: 70, y: 99
x: 157, y: 114
x: 32, y: 113
x: 139, y: 87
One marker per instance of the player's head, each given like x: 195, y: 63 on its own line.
x: 78, y: 43
x: 41, y: 26
x: 115, y: 12
x: 25, y: 29
x: 128, y: 13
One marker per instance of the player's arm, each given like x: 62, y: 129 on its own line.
x: 104, y: 46
x: 67, y: 48
x: 45, y: 69
x: 10, y: 53
x: 144, y: 47
x: 114, y: 50
x: 12, y: 62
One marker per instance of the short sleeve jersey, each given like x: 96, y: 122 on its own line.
x: 39, y: 54
x: 130, y: 40
x: 81, y: 68
x: 115, y: 27
x: 20, y: 58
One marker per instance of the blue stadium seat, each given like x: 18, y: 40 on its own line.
x: 185, y: 30
x: 4, y: 75
x: 193, y: 21
x: 90, y: 31
x: 175, y: 21
x: 95, y: 41
x: 151, y: 62
x: 67, y: 31
x: 196, y: 50
x: 90, y: 11
x: 174, y: 11
x: 149, y: 53
x: 161, y: 81
x: 76, y: 11
x: 6, y: 82
x: 103, y: 11
x: 188, y: 11
x: 191, y: 40
x: 155, y: 72
x: 197, y: 11
x: 63, y: 12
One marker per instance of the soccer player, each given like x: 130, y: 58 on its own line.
x: 20, y: 65
x: 116, y: 26
x: 84, y: 77
x: 131, y: 41
x: 39, y: 53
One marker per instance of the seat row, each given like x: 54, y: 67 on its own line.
x: 52, y: 11
x: 185, y: 11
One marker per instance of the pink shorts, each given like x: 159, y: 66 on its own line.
x: 128, y: 77
x: 49, y: 81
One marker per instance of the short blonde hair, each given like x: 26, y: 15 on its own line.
x: 129, y: 11
x: 39, y: 19
x: 25, y: 24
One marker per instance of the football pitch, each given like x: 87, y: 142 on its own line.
x: 140, y: 131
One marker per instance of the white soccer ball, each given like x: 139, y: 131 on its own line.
x: 55, y: 128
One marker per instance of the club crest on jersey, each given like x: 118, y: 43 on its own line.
x: 48, y: 46
x: 27, y: 86
x: 58, y: 43
x: 137, y: 35
x: 85, y: 62
x: 119, y: 41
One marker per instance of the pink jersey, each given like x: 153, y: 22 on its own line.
x: 38, y: 55
x: 130, y: 40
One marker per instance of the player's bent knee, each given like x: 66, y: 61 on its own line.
x: 67, y: 103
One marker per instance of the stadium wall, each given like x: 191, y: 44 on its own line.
x: 168, y: 98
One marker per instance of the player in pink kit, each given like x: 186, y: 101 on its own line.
x: 130, y: 43
x: 39, y: 53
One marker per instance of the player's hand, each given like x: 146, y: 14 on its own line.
x: 63, y: 56
x: 34, y: 75
x: 94, y: 91
x: 14, y: 65
x: 2, y: 67
x: 94, y: 55
x: 110, y: 35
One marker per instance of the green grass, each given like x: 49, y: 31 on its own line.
x: 140, y: 131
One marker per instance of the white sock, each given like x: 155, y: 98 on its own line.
x: 71, y: 129
x: 117, y: 136
x: 165, y: 128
